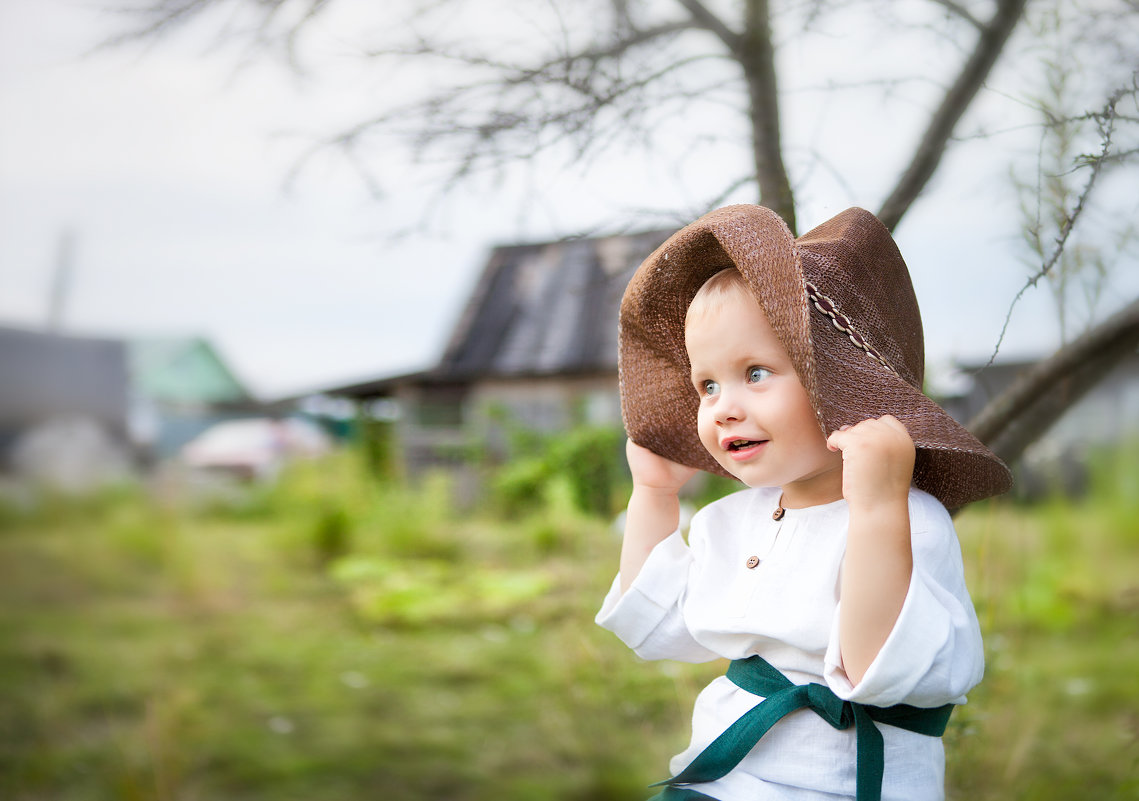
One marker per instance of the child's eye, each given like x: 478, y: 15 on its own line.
x: 709, y: 387
x: 757, y: 374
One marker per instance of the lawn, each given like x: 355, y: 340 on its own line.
x: 334, y: 637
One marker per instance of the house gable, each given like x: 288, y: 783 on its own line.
x: 184, y: 371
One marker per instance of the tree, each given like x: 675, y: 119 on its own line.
x: 592, y: 76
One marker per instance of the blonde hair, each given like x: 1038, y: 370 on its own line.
x: 720, y: 287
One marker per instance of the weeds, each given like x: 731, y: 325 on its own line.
x: 338, y: 637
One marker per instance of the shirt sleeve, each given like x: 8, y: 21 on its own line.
x: 648, y: 617
x: 934, y: 653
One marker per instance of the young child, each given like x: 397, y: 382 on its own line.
x: 835, y: 582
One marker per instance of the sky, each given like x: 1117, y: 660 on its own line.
x: 167, y: 166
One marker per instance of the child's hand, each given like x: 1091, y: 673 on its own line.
x: 652, y: 471
x: 877, y: 460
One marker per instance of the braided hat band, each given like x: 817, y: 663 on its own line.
x: 843, y: 324
x: 839, y: 300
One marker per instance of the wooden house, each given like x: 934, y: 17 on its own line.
x: 535, y: 345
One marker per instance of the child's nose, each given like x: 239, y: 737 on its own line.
x: 728, y: 408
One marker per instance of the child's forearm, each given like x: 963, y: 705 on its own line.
x: 654, y: 507
x: 653, y: 515
x: 875, y: 579
x: 877, y: 466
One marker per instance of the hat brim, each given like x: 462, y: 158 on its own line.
x: 950, y: 463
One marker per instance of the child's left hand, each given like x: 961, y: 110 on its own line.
x: 877, y: 460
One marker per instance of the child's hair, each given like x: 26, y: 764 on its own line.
x: 710, y: 297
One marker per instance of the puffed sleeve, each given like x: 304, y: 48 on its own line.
x: 648, y: 617
x: 934, y: 654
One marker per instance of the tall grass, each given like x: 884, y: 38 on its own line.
x: 334, y: 637
x: 1056, y: 585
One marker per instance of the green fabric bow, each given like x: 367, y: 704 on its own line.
x: 781, y: 697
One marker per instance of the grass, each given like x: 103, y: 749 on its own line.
x: 331, y: 638
x: 1056, y: 586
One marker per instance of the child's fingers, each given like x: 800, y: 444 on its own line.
x: 873, y: 427
x: 834, y: 442
x: 651, y: 469
x: 877, y: 458
x: 894, y: 423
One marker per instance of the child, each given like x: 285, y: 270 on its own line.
x: 835, y: 582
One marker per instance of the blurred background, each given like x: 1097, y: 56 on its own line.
x: 310, y: 442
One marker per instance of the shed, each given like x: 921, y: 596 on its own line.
x: 65, y: 404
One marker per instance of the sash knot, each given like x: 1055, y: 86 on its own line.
x: 831, y: 708
x: 781, y: 697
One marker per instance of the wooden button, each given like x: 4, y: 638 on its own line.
x: 778, y: 513
x: 752, y: 561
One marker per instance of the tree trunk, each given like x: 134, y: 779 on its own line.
x: 756, y: 54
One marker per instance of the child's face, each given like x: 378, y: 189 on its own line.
x: 755, y: 417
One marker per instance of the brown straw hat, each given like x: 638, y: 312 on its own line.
x: 840, y: 300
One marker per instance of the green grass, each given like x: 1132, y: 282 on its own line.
x: 331, y: 638
x: 1057, y: 590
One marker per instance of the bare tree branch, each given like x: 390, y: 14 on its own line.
x: 962, y: 12
x: 612, y: 50
x: 1106, y: 120
x: 710, y: 22
x: 155, y: 19
x: 720, y: 198
x: 1023, y: 412
x: 957, y: 100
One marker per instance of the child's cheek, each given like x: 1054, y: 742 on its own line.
x: 705, y: 428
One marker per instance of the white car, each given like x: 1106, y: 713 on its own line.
x: 254, y: 448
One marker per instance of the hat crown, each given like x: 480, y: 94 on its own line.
x: 854, y: 262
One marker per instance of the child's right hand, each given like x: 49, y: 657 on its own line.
x: 652, y: 471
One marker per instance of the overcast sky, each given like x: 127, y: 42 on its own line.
x: 169, y: 166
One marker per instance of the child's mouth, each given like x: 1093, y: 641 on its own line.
x: 743, y: 448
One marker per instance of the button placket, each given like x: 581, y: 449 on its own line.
x: 755, y: 560
x: 747, y: 579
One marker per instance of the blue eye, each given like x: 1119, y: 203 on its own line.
x: 757, y: 374
x: 710, y: 387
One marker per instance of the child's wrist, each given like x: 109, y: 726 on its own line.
x: 878, y: 503
x: 656, y: 491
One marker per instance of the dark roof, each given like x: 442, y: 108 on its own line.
x: 385, y: 387
x: 537, y: 310
x: 44, y: 375
x: 546, y: 308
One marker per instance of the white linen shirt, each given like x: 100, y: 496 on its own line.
x: 700, y: 601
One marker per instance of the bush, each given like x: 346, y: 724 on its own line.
x: 589, y: 459
x: 520, y: 485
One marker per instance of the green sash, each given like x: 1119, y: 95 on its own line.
x: 780, y: 698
